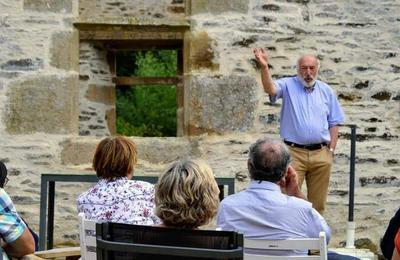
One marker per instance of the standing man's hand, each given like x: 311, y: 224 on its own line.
x: 262, y: 57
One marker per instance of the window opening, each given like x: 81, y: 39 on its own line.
x: 146, y: 92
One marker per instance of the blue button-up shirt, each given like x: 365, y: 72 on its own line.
x: 262, y: 211
x: 307, y: 116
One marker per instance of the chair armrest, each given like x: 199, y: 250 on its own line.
x: 57, y: 252
x: 30, y: 257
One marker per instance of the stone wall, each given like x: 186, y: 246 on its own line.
x: 57, y: 97
x: 97, y: 92
x: 38, y: 81
x: 356, y: 43
x: 138, y: 11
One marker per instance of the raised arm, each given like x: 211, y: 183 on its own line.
x: 268, y: 84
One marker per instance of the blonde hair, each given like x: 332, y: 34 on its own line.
x: 186, y: 195
x: 114, y: 157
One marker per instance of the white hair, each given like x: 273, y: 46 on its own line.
x: 301, y: 57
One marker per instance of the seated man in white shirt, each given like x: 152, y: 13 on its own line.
x: 263, y: 211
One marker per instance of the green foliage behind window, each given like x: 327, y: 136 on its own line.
x: 146, y: 110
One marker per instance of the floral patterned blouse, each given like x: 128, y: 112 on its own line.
x: 120, y: 200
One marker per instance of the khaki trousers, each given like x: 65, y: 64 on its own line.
x: 315, y: 167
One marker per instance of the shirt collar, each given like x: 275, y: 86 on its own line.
x: 116, y: 179
x: 310, y: 90
x: 307, y: 90
x: 266, y: 185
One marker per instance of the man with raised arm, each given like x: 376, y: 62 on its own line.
x: 309, y: 124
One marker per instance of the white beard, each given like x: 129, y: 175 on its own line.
x: 305, y: 84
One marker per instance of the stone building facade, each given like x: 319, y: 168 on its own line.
x: 58, y: 94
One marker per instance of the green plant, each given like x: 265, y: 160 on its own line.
x: 145, y: 110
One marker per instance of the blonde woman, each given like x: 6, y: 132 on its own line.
x: 187, y: 195
x: 115, y: 197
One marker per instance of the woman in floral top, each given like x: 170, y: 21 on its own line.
x: 115, y: 197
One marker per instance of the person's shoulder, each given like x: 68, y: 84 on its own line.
x: 397, y: 215
x: 234, y: 199
x: 324, y: 86
x: 287, y: 79
x: 3, y: 193
x: 298, y: 203
x: 5, y: 199
x: 140, y: 184
x: 92, y: 191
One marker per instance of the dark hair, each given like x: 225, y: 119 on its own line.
x: 3, y: 174
x: 114, y: 157
x: 268, y: 160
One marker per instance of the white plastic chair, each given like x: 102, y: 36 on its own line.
x: 87, y: 235
x: 287, y: 244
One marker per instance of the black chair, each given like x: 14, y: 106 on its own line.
x: 123, y: 241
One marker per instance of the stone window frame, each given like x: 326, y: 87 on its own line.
x: 142, y: 37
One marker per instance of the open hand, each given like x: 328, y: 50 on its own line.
x: 261, y: 56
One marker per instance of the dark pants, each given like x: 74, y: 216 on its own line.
x: 336, y: 256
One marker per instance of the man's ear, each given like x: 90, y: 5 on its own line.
x: 284, y: 176
x: 249, y: 165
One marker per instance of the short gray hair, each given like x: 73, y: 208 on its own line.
x: 268, y: 160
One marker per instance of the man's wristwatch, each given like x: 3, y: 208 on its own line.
x: 331, y: 150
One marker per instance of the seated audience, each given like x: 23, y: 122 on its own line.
x: 3, y: 183
x: 387, y: 242
x: 115, y: 197
x: 263, y: 211
x: 17, y: 241
x: 187, y: 195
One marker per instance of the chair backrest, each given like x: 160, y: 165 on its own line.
x: 286, y: 244
x: 123, y: 241
x: 87, y: 235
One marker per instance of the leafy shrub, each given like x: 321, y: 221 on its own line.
x: 147, y: 110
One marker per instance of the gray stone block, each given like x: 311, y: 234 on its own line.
x: 221, y: 104
x: 27, y: 64
x: 62, y: 6
x: 165, y: 150
x: 201, y: 52
x: 101, y: 94
x: 64, y: 50
x: 78, y: 151
x: 46, y: 104
x: 217, y: 7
